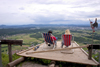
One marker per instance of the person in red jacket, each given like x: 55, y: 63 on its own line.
x: 52, y: 37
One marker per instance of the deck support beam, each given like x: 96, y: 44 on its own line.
x: 52, y: 64
x: 15, y: 62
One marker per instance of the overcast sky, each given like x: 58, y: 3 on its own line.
x: 19, y: 12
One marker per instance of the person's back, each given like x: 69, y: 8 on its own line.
x: 67, y: 32
x: 52, y: 37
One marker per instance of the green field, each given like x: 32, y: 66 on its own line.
x: 82, y: 37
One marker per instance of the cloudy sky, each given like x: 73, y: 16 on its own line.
x: 19, y: 12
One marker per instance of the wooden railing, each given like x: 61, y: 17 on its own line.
x: 9, y: 43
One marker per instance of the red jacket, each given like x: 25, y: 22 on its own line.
x: 53, y: 38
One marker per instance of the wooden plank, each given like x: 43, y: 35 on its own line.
x: 58, y: 49
x: 10, y: 52
x: 14, y: 42
x: 28, y: 49
x: 87, y: 54
x: 77, y: 57
x: 15, y: 62
x: 96, y: 46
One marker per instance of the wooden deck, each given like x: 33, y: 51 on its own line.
x: 78, y: 56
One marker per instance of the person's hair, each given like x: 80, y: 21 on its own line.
x: 50, y: 32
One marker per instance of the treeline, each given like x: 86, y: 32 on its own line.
x: 14, y: 31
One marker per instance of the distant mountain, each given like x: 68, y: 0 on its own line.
x: 42, y: 25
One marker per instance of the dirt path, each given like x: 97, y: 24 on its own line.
x: 30, y: 64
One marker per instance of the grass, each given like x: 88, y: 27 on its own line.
x: 5, y: 59
x: 26, y: 38
x: 27, y: 41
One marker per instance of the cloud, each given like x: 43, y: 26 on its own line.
x: 21, y: 8
x: 48, y: 11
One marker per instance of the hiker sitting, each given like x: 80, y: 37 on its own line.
x: 52, y: 38
x: 67, y: 32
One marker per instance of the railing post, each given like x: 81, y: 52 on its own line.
x: 90, y: 52
x: 99, y: 59
x: 0, y: 55
x: 10, y: 52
